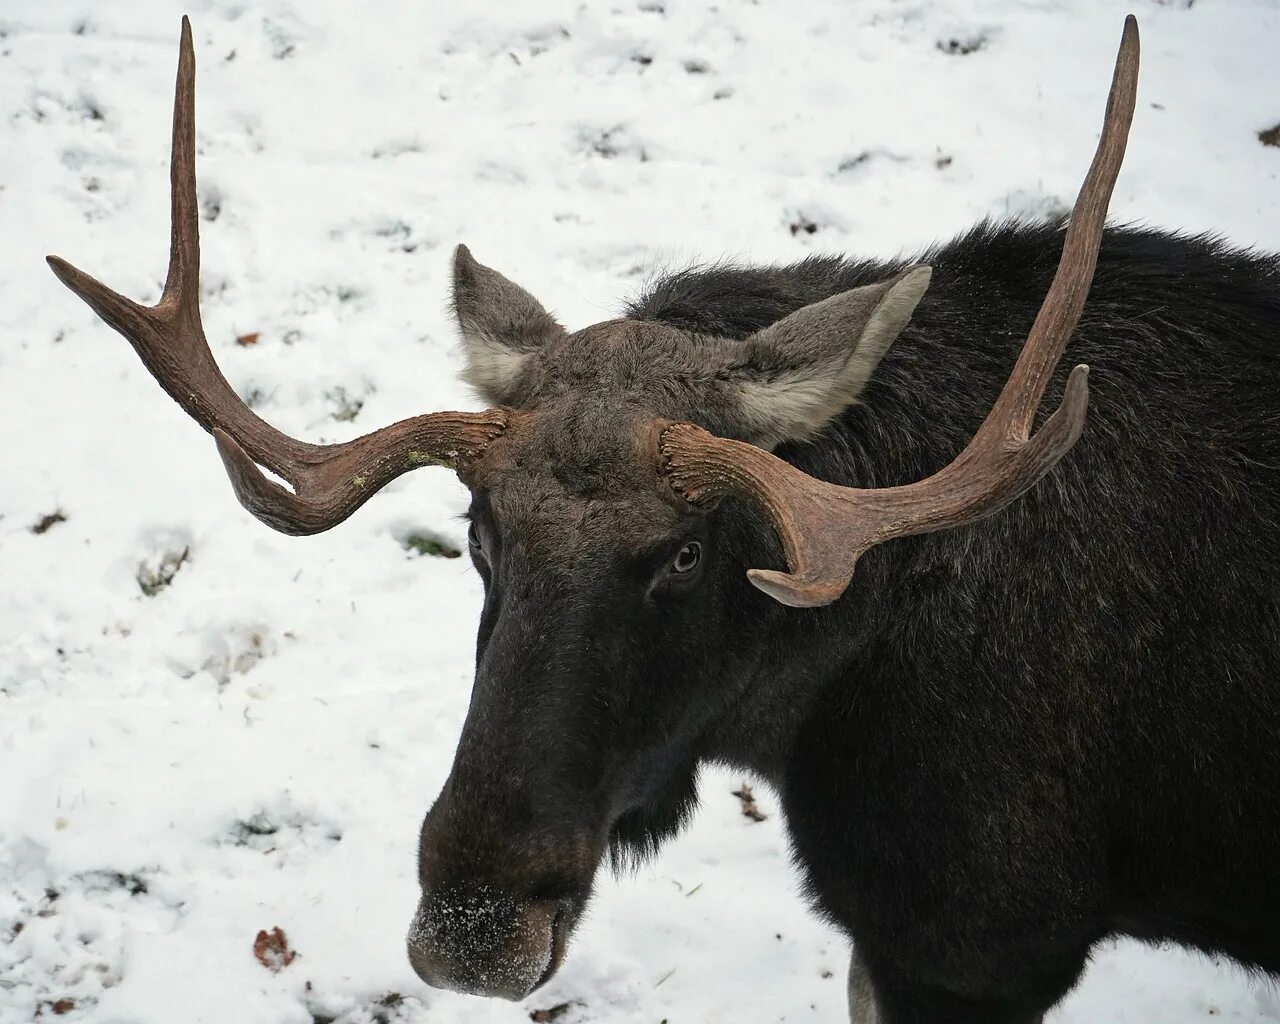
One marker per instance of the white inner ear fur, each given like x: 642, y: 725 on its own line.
x: 502, y: 327
x: 491, y: 368
x: 834, y: 345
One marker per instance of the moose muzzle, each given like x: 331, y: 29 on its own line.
x: 483, y: 942
x: 500, y: 896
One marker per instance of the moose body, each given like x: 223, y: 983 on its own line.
x: 1005, y: 742
x: 1043, y: 711
x: 1009, y: 741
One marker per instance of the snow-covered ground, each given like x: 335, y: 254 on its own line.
x: 254, y: 743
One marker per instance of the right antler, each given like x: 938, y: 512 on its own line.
x: 825, y: 528
x: 330, y: 481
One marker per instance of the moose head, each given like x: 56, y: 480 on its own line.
x: 626, y: 504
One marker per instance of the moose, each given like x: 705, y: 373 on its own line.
x: 1044, y: 711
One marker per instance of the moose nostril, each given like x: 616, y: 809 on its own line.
x: 492, y: 947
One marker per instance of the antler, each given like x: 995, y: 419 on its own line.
x: 330, y: 481
x: 826, y: 528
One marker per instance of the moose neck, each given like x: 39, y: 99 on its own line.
x: 924, y: 403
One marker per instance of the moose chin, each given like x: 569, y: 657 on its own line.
x: 1044, y: 710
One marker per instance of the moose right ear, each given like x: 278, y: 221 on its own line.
x: 502, y: 326
x: 809, y: 366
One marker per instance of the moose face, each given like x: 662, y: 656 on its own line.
x: 593, y: 678
x: 595, y: 674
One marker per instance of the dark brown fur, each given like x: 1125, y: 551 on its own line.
x: 1005, y: 742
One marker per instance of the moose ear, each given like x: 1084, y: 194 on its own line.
x: 803, y: 371
x: 502, y: 326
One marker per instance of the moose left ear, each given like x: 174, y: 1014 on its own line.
x: 502, y: 326
x: 803, y: 371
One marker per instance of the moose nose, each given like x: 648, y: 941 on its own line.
x: 486, y: 944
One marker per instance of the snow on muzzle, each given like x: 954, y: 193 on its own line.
x: 484, y: 942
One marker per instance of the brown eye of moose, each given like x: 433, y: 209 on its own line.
x: 687, y: 558
x: 473, y: 537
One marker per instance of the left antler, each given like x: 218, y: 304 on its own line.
x: 330, y: 481
x: 826, y: 528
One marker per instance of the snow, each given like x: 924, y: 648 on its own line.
x: 255, y: 745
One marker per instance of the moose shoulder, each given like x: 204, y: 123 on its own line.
x: 1046, y: 713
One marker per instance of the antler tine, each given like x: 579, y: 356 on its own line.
x: 183, y: 280
x: 1062, y: 306
x: 330, y: 481
x: 825, y: 528
x: 169, y: 336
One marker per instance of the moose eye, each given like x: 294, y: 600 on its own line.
x: 687, y: 558
x: 473, y: 538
